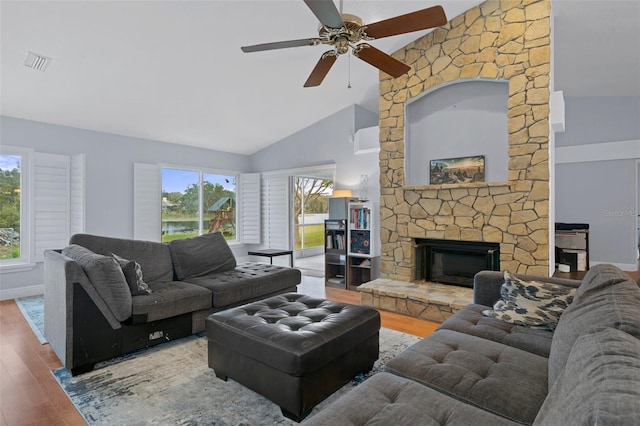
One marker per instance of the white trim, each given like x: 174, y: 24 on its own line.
x: 618, y: 150
x: 311, y: 170
x: 16, y: 267
x: 16, y: 293
x: 198, y: 169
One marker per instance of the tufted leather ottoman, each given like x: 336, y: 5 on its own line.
x: 293, y: 349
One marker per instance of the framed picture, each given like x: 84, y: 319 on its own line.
x: 457, y: 170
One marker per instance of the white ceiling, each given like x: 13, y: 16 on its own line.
x: 173, y: 70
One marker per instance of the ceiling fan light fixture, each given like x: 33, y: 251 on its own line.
x: 36, y: 61
x: 342, y: 31
x: 342, y: 45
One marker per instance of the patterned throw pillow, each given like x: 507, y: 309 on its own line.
x: 531, y: 303
x: 133, y: 274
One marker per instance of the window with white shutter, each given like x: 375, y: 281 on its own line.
x: 249, y: 201
x: 52, y: 202
x: 276, y: 212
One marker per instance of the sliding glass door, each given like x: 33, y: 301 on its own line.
x: 311, y: 208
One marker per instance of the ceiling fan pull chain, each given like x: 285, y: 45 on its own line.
x: 349, y: 71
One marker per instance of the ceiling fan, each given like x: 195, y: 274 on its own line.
x: 344, y: 31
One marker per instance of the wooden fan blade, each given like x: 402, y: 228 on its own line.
x: 280, y: 45
x: 321, y: 69
x: 326, y: 12
x: 414, y: 21
x: 380, y: 60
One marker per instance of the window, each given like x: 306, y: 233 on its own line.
x: 195, y: 202
x: 311, y: 208
x: 14, y: 207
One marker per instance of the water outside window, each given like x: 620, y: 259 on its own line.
x: 10, y: 191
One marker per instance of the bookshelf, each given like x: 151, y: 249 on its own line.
x: 363, y: 252
x: 335, y: 253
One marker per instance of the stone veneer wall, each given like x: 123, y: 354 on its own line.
x: 504, y: 40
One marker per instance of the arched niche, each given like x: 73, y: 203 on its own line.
x: 461, y: 119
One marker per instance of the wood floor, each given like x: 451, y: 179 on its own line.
x: 29, y: 395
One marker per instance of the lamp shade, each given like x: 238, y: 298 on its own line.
x: 341, y: 193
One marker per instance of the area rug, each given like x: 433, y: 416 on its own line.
x: 32, y: 309
x: 171, y: 384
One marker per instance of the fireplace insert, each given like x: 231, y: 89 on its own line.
x: 454, y: 262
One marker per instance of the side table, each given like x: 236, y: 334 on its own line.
x: 271, y: 253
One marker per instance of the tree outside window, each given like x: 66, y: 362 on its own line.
x: 311, y: 199
x: 194, y: 202
x: 10, y: 193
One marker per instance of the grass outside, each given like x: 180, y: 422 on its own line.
x: 8, y: 252
x: 313, y: 236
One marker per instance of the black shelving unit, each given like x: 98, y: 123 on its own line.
x: 335, y: 253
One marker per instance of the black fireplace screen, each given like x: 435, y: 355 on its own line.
x: 454, y: 262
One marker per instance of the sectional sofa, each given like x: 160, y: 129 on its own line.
x: 515, y: 356
x: 108, y: 296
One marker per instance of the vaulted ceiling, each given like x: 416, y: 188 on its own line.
x: 173, y: 71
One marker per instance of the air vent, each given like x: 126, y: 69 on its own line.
x: 36, y: 61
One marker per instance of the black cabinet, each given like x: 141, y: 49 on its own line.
x: 335, y: 253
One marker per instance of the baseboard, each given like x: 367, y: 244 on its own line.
x: 628, y: 267
x: 15, y: 293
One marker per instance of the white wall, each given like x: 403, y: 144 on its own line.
x: 601, y: 193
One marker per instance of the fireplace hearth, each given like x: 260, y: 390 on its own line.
x: 454, y: 262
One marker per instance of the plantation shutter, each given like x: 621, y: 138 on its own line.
x: 147, y: 202
x: 249, y: 213
x: 276, y: 212
x: 77, y: 212
x: 51, y: 202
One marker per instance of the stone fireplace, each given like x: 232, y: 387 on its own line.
x: 497, y: 40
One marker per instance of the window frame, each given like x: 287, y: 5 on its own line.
x: 201, y: 172
x: 25, y: 261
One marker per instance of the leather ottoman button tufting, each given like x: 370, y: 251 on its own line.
x: 293, y: 349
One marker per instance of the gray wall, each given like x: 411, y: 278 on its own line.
x: 110, y: 159
x: 109, y: 173
x: 459, y: 120
x: 327, y: 141
x: 601, y: 193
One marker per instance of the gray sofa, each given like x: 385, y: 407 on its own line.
x: 477, y: 370
x: 108, y: 296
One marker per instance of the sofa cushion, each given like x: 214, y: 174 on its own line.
x: 154, y: 258
x: 133, y: 274
x: 470, y: 320
x: 600, y: 384
x: 168, y: 300
x: 385, y: 399
x: 607, y: 297
x: 205, y: 254
x: 531, y: 303
x: 498, y: 378
x: 107, y: 278
x: 247, y: 281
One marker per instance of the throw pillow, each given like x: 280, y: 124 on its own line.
x: 133, y: 273
x: 202, y: 255
x: 531, y: 303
